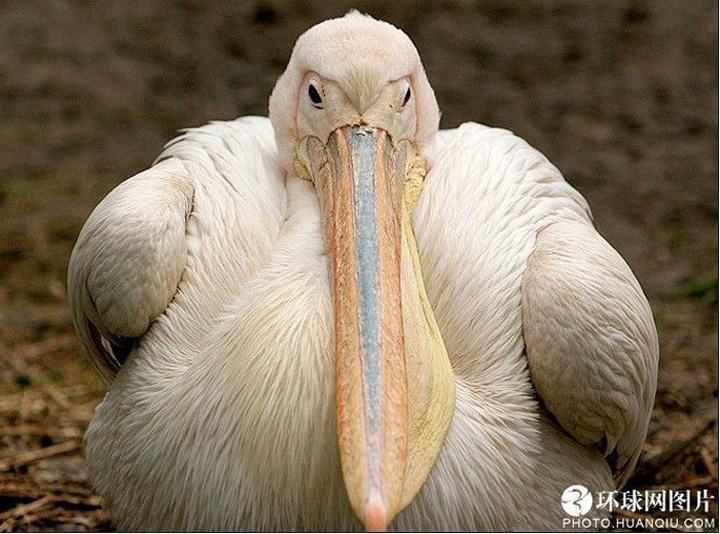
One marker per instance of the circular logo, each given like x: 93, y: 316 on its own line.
x: 577, y: 500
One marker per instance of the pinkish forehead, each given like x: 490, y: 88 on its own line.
x: 355, y: 42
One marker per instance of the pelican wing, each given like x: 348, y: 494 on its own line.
x: 128, y: 261
x: 591, y: 341
x: 199, y: 222
x: 517, y: 273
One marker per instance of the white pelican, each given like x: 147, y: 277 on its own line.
x: 341, y: 317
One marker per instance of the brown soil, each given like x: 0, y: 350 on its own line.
x: 621, y: 96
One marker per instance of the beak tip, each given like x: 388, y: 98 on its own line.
x: 375, y: 516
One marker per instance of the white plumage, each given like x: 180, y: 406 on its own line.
x: 208, y: 275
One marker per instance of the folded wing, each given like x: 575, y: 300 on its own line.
x: 128, y: 261
x: 591, y: 341
x: 188, y: 231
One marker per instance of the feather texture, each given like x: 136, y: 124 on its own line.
x: 128, y: 260
x: 591, y: 341
x: 223, y: 415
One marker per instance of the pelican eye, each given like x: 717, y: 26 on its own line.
x: 315, y: 97
x: 407, y: 97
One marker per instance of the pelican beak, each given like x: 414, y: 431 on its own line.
x: 359, y: 178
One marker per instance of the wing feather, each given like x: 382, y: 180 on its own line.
x: 517, y: 274
x: 591, y: 341
x: 204, y: 216
x: 128, y: 261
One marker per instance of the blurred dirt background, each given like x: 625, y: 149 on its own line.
x: 621, y: 96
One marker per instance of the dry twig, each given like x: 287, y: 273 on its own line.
x: 38, y: 454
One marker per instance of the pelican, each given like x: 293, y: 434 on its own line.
x: 340, y: 317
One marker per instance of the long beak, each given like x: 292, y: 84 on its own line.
x: 359, y: 179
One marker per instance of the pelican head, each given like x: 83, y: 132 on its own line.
x: 354, y: 113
